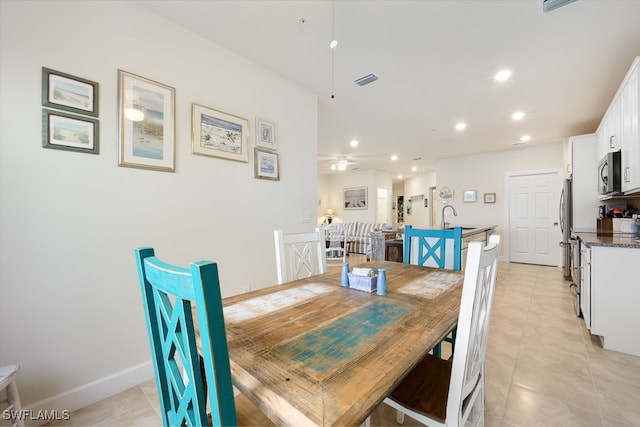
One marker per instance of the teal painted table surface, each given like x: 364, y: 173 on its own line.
x: 311, y: 352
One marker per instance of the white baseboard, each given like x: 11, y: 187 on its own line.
x: 94, y: 391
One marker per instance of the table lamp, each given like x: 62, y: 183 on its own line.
x: 329, y: 215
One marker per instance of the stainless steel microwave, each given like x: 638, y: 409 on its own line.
x: 609, y: 176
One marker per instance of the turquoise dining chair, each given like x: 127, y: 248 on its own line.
x: 440, y: 248
x: 433, y: 247
x: 168, y: 293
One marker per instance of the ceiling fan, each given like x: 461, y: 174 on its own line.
x: 340, y: 163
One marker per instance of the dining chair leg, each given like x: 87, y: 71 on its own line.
x: 399, y: 417
x: 437, y: 350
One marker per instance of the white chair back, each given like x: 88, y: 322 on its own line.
x: 299, y: 255
x: 465, y: 403
x: 336, y: 244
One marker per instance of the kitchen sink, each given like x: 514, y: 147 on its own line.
x: 464, y: 228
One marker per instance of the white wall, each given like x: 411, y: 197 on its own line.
x: 70, y: 307
x: 418, y: 185
x: 336, y: 183
x: 485, y: 173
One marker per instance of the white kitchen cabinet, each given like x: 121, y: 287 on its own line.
x: 614, y: 296
x: 584, y: 189
x: 630, y: 115
x: 618, y: 129
x: 608, y: 133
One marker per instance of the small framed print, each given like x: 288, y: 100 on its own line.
x: 489, y: 197
x: 469, y: 196
x: 266, y: 165
x: 445, y: 193
x: 70, y: 93
x: 265, y: 134
x: 62, y: 131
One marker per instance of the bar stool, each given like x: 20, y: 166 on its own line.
x: 8, y: 382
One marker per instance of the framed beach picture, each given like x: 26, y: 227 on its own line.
x: 218, y: 134
x: 265, y: 134
x: 62, y: 131
x: 356, y: 198
x: 146, y: 121
x: 267, y: 165
x: 70, y: 93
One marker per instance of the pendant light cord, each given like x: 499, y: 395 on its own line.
x: 333, y: 38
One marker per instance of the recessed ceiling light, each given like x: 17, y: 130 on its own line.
x: 525, y: 138
x: 394, y: 157
x: 461, y: 126
x: 502, y: 75
x: 333, y: 44
x: 518, y: 115
x: 342, y: 166
x: 333, y: 167
x: 413, y: 169
x: 354, y: 143
x: 399, y: 176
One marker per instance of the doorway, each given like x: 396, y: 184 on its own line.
x: 534, y: 231
x: 383, y: 212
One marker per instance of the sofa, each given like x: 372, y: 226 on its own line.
x: 359, y: 236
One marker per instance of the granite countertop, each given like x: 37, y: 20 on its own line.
x: 471, y: 229
x: 614, y: 240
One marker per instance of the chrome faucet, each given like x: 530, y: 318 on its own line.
x: 444, y: 224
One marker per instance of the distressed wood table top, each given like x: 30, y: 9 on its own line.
x: 311, y: 352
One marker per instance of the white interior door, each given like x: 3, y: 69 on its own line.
x: 534, y: 231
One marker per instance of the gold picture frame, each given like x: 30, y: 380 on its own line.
x: 218, y: 134
x: 146, y: 122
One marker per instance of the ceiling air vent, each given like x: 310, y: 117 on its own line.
x: 365, y: 80
x: 547, y: 6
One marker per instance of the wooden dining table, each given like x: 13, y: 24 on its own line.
x: 311, y: 352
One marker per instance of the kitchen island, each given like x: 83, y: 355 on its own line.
x: 470, y: 233
x: 610, y: 289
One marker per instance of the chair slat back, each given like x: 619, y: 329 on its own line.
x: 336, y: 244
x: 466, y: 389
x: 168, y: 293
x: 299, y: 255
x: 433, y: 248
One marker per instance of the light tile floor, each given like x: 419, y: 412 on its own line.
x: 543, y: 366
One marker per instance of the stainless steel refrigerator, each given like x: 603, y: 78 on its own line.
x: 566, y: 217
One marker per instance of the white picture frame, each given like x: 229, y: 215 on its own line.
x: 469, y: 196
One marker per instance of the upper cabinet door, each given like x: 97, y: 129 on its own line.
x: 614, y: 125
x: 630, y: 115
x: 609, y: 131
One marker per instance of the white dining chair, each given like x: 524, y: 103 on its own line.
x: 11, y: 403
x: 336, y: 245
x: 440, y: 392
x: 299, y: 255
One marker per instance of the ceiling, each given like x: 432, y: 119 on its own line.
x: 435, y: 61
